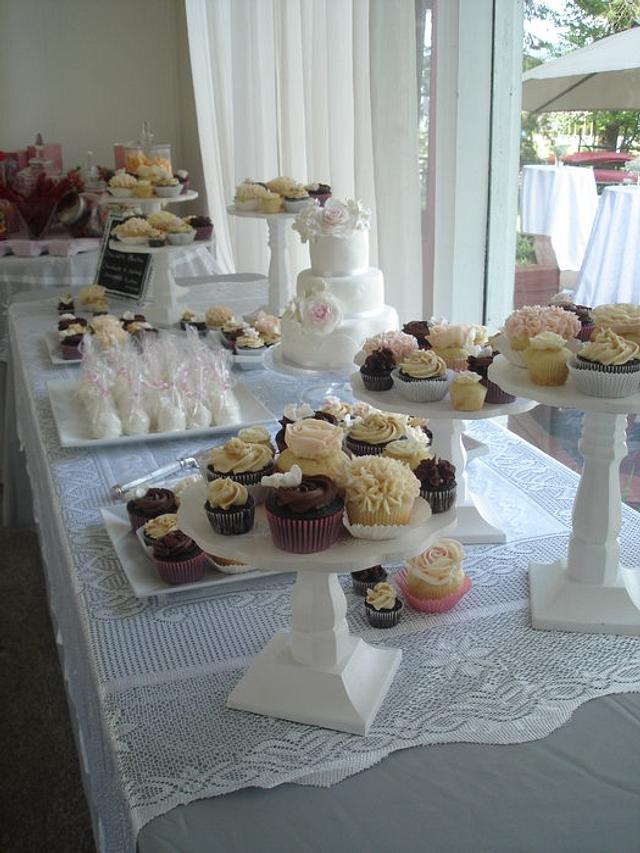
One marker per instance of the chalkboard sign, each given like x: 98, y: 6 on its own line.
x: 123, y: 274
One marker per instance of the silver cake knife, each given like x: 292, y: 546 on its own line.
x: 119, y: 491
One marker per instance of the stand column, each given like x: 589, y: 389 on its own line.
x: 319, y: 632
x: 280, y: 286
x: 594, y: 550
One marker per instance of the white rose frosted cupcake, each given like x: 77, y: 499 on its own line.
x: 421, y: 377
x: 434, y: 581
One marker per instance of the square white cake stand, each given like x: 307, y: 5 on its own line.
x: 590, y: 591
x: 477, y: 524
x: 315, y: 672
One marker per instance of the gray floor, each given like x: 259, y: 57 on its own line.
x: 42, y: 804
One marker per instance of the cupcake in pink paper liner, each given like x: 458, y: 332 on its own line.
x: 453, y: 343
x: 178, y: 559
x: 304, y: 513
x: 434, y: 581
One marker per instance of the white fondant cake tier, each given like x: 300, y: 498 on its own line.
x: 305, y: 348
x: 336, y: 256
x: 359, y: 295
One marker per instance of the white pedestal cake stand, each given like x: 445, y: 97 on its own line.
x: 161, y: 300
x: 148, y: 205
x: 476, y: 521
x: 315, y: 672
x: 280, y: 283
x: 586, y: 592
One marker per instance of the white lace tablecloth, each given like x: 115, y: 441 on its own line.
x: 148, y: 678
x: 561, y: 202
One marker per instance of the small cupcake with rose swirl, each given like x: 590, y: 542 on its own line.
x: 370, y: 435
x: 453, y: 343
x: 315, y: 446
x: 229, y: 507
x: 382, y: 606
x: 242, y: 462
x: 434, y: 581
x: 421, y: 377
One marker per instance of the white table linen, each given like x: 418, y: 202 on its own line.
x: 611, y: 266
x: 147, y: 679
x: 560, y: 202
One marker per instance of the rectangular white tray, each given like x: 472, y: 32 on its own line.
x: 55, y: 352
x: 140, y: 570
x: 73, y: 428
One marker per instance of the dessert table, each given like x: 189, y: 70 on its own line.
x: 469, y: 744
x: 611, y: 266
x: 561, y: 202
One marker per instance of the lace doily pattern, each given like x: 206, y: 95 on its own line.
x: 148, y: 679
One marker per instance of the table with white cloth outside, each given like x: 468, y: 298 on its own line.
x: 560, y: 202
x: 611, y: 266
x: 148, y: 679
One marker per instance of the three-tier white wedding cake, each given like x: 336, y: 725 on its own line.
x: 340, y: 300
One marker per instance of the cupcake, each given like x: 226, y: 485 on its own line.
x: 315, y: 446
x: 178, y: 559
x: 248, y: 195
x: 250, y: 342
x: 452, y: 343
x: 296, y: 198
x: 318, y: 192
x: 435, y: 581
x: 419, y: 329
x: 231, y: 331
x: 257, y: 435
x: 218, y: 315
x: 607, y: 366
x: 154, y: 503
x: 229, y: 507
x: 244, y: 463
x: 70, y: 339
x: 268, y: 325
x: 546, y: 359
x: 529, y: 321
x: 94, y: 299
x: 367, y: 579
x: 157, y: 238
x: 400, y: 344
x: 271, y: 202
x: 418, y: 427
x: 65, y: 303
x: 304, y: 512
x: 623, y: 319
x: 379, y: 491
x: 190, y: 320
x: 411, y: 451
x: 298, y: 412
x: 480, y: 364
x: 382, y: 606
x: 437, y: 483
x: 421, y: 377
x: 143, y: 189
x: 156, y: 528
x: 371, y: 434
x: 583, y: 313
x: 376, y: 370
x: 466, y: 392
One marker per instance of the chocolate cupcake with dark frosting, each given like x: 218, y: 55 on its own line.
x: 368, y: 578
x: 177, y: 558
x: 376, y: 370
x: 304, y: 513
x: 154, y: 503
x: 418, y: 329
x: 480, y: 364
x: 583, y: 313
x: 437, y: 483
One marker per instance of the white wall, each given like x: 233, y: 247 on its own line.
x: 87, y: 72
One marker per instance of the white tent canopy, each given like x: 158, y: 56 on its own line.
x: 604, y: 75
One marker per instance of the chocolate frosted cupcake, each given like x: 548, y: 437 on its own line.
x: 154, y: 503
x: 229, y: 507
x: 242, y: 462
x: 583, y: 313
x: 67, y: 319
x: 382, y: 606
x: 370, y: 435
x: 304, y: 513
x: 419, y: 329
x: 368, y: 578
x: 437, y: 483
x: 178, y: 559
x: 376, y: 370
x: 480, y: 364
x: 70, y: 339
x: 65, y: 303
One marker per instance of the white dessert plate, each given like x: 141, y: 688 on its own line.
x: 140, y: 570
x: 73, y: 425
x: 55, y: 352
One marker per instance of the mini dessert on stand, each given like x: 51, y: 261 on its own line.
x: 607, y: 366
x: 367, y: 578
x: 372, y: 433
x: 241, y: 462
x: 93, y: 298
x: 466, y: 391
x: 622, y: 318
x: 178, y: 559
x: 453, y: 344
x: 154, y: 503
x: 422, y: 377
x: 315, y: 446
x: 65, y: 304
x: 546, y: 359
x: 437, y: 479
x: 230, y: 508
x: 191, y: 320
x: 382, y: 606
x: 434, y: 581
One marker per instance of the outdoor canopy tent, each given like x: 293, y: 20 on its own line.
x: 604, y: 75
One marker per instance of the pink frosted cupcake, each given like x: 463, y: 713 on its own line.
x: 435, y: 581
x: 531, y: 320
x: 178, y: 559
x: 304, y: 513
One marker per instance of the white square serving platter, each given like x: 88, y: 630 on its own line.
x: 72, y: 422
x: 140, y: 570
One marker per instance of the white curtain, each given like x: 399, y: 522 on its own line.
x: 322, y: 90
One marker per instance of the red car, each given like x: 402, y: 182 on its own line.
x: 607, y: 165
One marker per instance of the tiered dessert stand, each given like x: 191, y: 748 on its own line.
x: 280, y: 283
x: 161, y: 299
x: 149, y: 205
x: 315, y: 672
x: 476, y: 521
x: 590, y: 591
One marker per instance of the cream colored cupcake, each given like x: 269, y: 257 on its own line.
x: 411, y: 451
x: 452, y: 343
x: 371, y: 434
x: 271, y: 202
x: 622, y: 318
x: 93, y: 298
x: 379, y: 490
x: 546, y: 358
x: 316, y: 447
x: 256, y: 435
x: 156, y: 528
x: 437, y: 572
x: 218, y: 315
x: 244, y: 463
x: 466, y: 392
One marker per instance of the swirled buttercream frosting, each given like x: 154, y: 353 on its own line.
x: 237, y: 457
x: 255, y: 435
x: 225, y: 493
x: 154, y: 502
x: 313, y: 439
x: 379, y: 484
x: 611, y: 315
x: 606, y: 347
x: 411, y: 451
x: 440, y: 564
x: 162, y: 524
x: 312, y: 493
x: 174, y: 545
x: 467, y: 377
x: 423, y: 364
x: 378, y: 428
x: 382, y: 596
x: 547, y: 341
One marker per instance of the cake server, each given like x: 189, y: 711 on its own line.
x: 120, y: 491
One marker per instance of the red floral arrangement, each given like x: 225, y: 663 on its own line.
x: 38, y: 206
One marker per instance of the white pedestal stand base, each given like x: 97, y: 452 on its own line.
x: 559, y: 603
